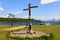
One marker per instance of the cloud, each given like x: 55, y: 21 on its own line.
x: 1, y: 9
x: 42, y: 18
x: 57, y: 16
x: 25, y: 17
x: 19, y: 14
x: 48, y: 1
x: 15, y: 12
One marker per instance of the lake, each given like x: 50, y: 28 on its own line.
x: 34, y: 23
x: 21, y: 23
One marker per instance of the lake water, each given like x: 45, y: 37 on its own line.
x: 26, y: 23
x: 21, y: 23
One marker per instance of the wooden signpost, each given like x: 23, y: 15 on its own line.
x: 29, y: 9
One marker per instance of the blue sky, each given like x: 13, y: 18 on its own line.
x: 47, y: 9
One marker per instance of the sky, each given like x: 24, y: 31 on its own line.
x: 47, y: 9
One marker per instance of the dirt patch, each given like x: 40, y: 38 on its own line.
x: 24, y: 34
x: 14, y: 28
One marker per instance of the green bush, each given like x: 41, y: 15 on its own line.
x: 51, y: 36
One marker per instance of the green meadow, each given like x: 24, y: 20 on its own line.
x: 55, y: 30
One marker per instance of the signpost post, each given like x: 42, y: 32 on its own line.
x: 30, y: 20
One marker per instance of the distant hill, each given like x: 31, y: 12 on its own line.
x: 10, y: 15
x: 16, y: 20
x: 53, y: 22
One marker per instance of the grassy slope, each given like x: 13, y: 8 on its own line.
x: 16, y: 20
x: 3, y: 33
x: 49, y: 29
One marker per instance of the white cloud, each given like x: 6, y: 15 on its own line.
x: 56, y: 16
x: 48, y: 1
x: 15, y: 12
x: 19, y: 14
x: 43, y: 18
x: 38, y: 17
x: 1, y: 9
x: 26, y: 17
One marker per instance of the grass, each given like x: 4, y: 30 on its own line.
x: 55, y: 30
x: 49, y: 29
x: 35, y: 38
x: 3, y: 33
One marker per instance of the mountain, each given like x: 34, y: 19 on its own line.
x: 10, y: 15
x: 53, y: 21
